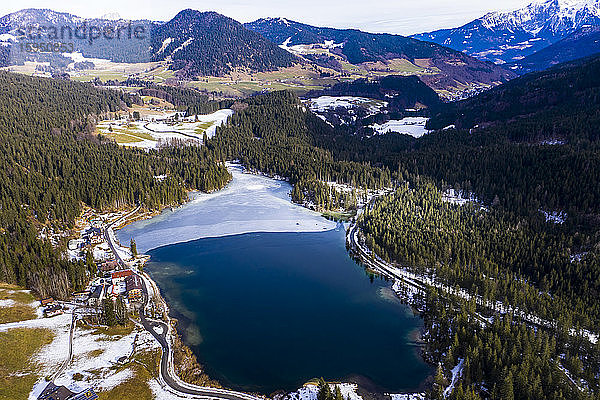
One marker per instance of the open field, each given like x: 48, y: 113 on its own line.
x: 16, y: 304
x: 17, y: 368
x: 134, y: 388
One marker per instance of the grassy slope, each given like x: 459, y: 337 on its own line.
x: 17, y: 371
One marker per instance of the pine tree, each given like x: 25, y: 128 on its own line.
x: 121, y: 313
x: 133, y: 247
x: 507, y: 387
x: 337, y: 395
x: 324, y: 392
x: 108, y: 312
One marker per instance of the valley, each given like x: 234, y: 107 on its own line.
x: 203, y: 208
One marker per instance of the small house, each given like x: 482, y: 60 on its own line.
x: 47, y: 301
x: 54, y: 392
x: 53, y: 310
x: 96, y: 296
x: 108, y: 266
x: 121, y: 275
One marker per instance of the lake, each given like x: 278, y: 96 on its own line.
x: 267, y: 311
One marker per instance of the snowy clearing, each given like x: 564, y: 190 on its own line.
x: 407, y: 396
x: 413, y: 126
x: 50, y: 323
x: 7, y: 303
x: 310, y: 390
x: 555, y: 217
x: 95, y: 356
x: 325, y: 103
x: 456, y: 374
x: 154, y: 129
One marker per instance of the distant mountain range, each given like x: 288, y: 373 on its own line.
x: 342, y: 49
x: 582, y: 43
x: 209, y: 44
x: 507, y: 37
x: 557, y: 105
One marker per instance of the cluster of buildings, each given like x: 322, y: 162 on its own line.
x: 51, y: 307
x: 111, y: 283
x: 89, y: 238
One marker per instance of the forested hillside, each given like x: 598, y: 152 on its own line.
x: 207, y: 43
x: 445, y: 67
x: 189, y: 100
x: 560, y: 103
x: 49, y: 166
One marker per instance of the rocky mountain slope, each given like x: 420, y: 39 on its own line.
x: 504, y: 37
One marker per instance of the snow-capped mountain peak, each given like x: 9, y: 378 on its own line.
x: 509, y: 36
x: 551, y: 16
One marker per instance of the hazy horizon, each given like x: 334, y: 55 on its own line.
x: 400, y: 17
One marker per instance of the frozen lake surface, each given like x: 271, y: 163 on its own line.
x: 250, y: 203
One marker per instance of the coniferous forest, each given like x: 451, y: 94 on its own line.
x: 52, y: 165
x: 502, y: 247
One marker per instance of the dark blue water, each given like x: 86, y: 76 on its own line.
x: 269, y: 311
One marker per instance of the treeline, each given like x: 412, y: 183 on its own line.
x: 503, y: 359
x: 323, y: 196
x: 274, y: 134
x: 50, y: 166
x: 189, y: 100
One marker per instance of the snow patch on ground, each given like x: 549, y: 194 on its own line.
x: 300, y: 49
x: 7, y: 303
x: 556, y: 217
x: 250, y: 203
x: 457, y: 197
x: 53, y: 323
x: 310, y: 390
x: 407, y: 396
x: 413, y: 126
x: 324, y: 103
x: 98, y: 371
x: 456, y: 373
x: 164, y: 45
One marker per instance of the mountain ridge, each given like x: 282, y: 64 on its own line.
x: 505, y: 37
x: 209, y: 43
x: 439, y: 66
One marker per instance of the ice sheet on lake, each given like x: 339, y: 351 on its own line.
x: 250, y: 203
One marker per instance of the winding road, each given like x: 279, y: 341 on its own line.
x: 167, y: 371
x: 420, y: 282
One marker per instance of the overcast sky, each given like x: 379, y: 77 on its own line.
x: 393, y: 16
